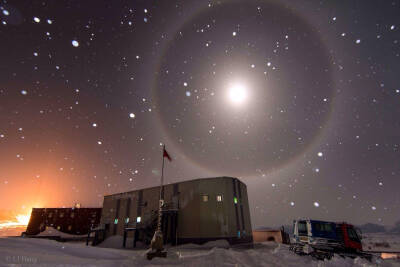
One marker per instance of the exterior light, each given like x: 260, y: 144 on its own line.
x: 138, y: 219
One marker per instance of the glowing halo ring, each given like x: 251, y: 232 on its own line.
x: 307, y: 146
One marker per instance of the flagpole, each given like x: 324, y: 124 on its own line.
x: 161, y: 191
x: 156, y: 246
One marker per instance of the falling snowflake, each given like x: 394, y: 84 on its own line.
x: 99, y: 142
x: 24, y: 92
x: 75, y: 43
x: 188, y: 93
x: 36, y: 19
x: 320, y: 154
x: 49, y: 21
x: 185, y: 84
x: 292, y: 203
x: 132, y: 115
x: 358, y: 41
x: 373, y: 208
x: 94, y: 125
x: 35, y: 54
x: 234, y: 33
x: 5, y: 12
x: 392, y: 27
x: 316, y: 204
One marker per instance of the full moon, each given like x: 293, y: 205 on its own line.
x: 237, y: 93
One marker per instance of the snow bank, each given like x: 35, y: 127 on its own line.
x: 44, y: 252
x: 50, y: 231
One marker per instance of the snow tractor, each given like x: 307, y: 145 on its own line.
x: 322, y: 239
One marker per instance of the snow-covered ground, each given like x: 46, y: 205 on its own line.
x: 381, y: 242
x: 42, y: 252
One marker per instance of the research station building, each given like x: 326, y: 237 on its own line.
x: 194, y: 211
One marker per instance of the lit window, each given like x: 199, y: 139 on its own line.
x: 235, y: 200
x: 58, y: 227
x: 219, y: 198
x: 138, y: 219
x: 69, y: 227
x: 205, y: 198
x: 127, y: 220
x: 116, y: 221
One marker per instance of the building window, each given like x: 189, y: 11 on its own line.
x: 127, y: 220
x: 58, y: 227
x: 50, y: 215
x: 219, y: 198
x: 116, y: 221
x: 72, y: 215
x: 138, y: 219
x: 205, y: 198
x: 69, y: 227
x: 235, y: 200
x: 61, y: 215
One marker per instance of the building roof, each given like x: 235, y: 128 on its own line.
x: 197, y: 179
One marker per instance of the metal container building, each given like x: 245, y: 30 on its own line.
x: 194, y: 211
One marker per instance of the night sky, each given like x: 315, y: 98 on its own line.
x: 298, y: 99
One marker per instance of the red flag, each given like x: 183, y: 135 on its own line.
x: 166, y: 155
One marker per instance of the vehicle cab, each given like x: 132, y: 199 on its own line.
x: 350, y: 235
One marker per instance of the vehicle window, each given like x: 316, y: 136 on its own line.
x: 302, y: 226
x: 323, y: 227
x: 352, y: 235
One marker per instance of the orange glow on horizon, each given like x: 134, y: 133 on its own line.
x: 20, y: 220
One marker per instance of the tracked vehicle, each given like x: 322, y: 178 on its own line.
x: 321, y: 239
